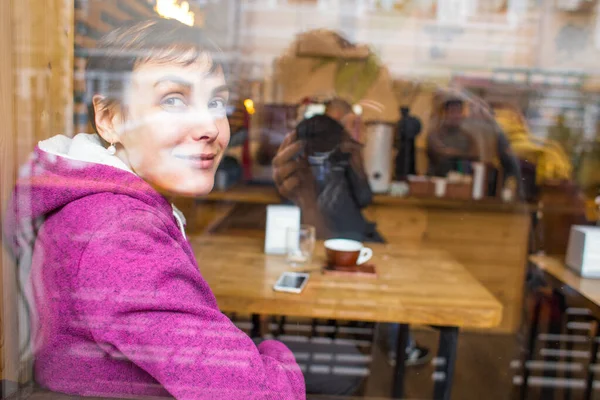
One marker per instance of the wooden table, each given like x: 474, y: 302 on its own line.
x: 489, y: 238
x: 415, y: 285
x: 557, y: 271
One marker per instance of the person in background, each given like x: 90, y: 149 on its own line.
x: 562, y: 133
x: 407, y: 130
x: 448, y: 145
x: 120, y: 308
x: 495, y: 148
x: 329, y: 166
x: 462, y: 138
x: 341, y: 111
x: 332, y: 203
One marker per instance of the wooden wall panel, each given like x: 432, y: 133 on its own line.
x: 43, y: 61
x: 36, y: 83
x: 8, y: 317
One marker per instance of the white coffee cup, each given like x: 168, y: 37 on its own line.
x: 346, y: 253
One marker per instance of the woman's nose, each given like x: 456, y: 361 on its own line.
x: 205, y: 127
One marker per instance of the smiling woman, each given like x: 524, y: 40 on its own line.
x: 163, y: 111
x: 119, y: 307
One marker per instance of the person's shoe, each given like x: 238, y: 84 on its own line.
x: 417, y: 355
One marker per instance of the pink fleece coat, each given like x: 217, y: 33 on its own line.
x: 120, y: 307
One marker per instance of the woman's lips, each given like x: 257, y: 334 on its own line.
x: 200, y: 161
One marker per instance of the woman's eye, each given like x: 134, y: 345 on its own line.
x: 218, y: 108
x: 173, y: 102
x: 217, y: 103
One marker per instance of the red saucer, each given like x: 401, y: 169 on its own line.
x: 363, y: 270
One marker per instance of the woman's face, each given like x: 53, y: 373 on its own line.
x: 454, y: 114
x: 174, y: 128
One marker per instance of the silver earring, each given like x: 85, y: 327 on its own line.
x: 112, y: 150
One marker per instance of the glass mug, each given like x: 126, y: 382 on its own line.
x: 300, y: 244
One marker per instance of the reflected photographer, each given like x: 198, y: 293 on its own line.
x: 320, y: 168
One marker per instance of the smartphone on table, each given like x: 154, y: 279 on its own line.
x: 291, y: 282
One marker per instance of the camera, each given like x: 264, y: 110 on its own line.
x: 321, y: 133
x: 323, y: 136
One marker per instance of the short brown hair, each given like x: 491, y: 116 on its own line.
x: 118, y: 53
x: 338, y: 104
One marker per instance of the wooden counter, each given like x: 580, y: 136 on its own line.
x: 268, y: 195
x: 490, y: 239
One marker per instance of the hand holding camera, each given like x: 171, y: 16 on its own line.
x: 291, y: 171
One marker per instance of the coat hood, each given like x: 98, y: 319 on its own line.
x: 62, y: 170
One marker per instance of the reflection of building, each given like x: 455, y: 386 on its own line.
x: 405, y: 38
x: 545, y: 51
x: 485, y: 34
x: 414, y: 39
x: 496, y: 48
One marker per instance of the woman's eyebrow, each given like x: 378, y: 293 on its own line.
x: 174, y: 79
x: 220, y: 89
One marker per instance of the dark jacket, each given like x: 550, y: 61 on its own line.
x: 343, y: 192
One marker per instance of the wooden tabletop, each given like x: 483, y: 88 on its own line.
x: 416, y: 285
x: 264, y: 194
x: 587, y: 287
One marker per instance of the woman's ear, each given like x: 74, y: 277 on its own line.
x: 106, y: 118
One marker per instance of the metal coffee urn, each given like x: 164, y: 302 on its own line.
x: 378, y: 155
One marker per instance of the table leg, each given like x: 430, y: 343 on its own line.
x: 589, y: 384
x: 280, y: 327
x: 555, y: 321
x: 568, y: 358
x: 444, y: 373
x: 334, y: 324
x: 398, y: 384
x: 313, y: 328
x: 255, y: 331
x: 531, y: 340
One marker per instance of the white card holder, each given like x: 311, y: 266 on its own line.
x: 583, y: 252
x: 279, y: 219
